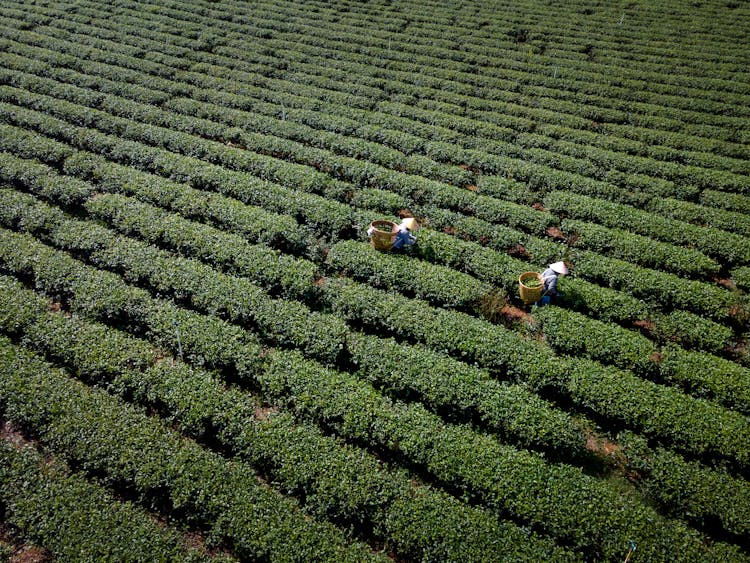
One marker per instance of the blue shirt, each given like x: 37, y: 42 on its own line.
x: 404, y: 238
x: 549, y: 276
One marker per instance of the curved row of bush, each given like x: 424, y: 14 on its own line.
x: 313, y: 210
x: 204, y: 340
x: 23, y: 208
x: 700, y: 374
x: 702, y: 215
x: 41, y: 496
x: 176, y: 475
x: 437, y: 284
x: 275, y: 272
x: 288, y: 377
x: 282, y: 322
x: 640, y: 250
x: 730, y: 248
x: 723, y: 200
x: 270, y: 268
x: 660, y: 412
x: 253, y: 223
x: 337, y: 482
x: 415, y: 44
x: 685, y: 489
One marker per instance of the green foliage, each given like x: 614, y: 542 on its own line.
x: 705, y: 375
x: 687, y: 488
x: 692, y: 331
x: 576, y: 335
x: 336, y: 482
x: 436, y: 284
x: 117, y: 441
x: 237, y: 299
x: 639, y: 250
x: 727, y: 247
x: 41, y: 497
x: 444, y: 384
x: 741, y: 277
x: 272, y: 123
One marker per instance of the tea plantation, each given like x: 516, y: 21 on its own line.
x: 203, y: 359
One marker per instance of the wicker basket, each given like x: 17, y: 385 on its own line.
x: 383, y: 234
x: 530, y: 294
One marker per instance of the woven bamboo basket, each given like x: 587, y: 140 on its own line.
x: 531, y: 292
x: 383, y: 234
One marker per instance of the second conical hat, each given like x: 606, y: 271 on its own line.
x: 410, y: 223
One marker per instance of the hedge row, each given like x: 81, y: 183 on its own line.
x: 253, y: 223
x: 340, y: 483
x: 573, y: 334
x: 460, y: 391
x: 741, y: 277
x: 29, y: 145
x: 699, y: 374
x: 661, y: 412
x: 311, y: 209
x: 275, y: 272
x: 702, y: 215
x: 692, y: 331
x: 659, y: 289
x: 437, y: 284
x: 640, y: 250
x: 310, y: 387
x: 724, y: 200
x: 282, y: 322
x: 41, y: 497
x: 685, y: 489
x: 730, y: 248
x: 117, y: 442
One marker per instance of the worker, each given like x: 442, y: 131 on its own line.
x: 404, y: 237
x: 549, y: 277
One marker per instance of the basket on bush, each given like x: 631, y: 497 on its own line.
x: 383, y: 234
x: 531, y: 286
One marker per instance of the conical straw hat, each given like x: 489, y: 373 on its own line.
x: 559, y: 267
x: 410, y: 223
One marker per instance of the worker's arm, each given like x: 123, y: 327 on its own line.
x: 550, y: 285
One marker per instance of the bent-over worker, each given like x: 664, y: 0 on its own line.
x: 404, y: 237
x: 549, y: 277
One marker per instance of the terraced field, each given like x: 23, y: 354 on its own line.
x: 202, y: 358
